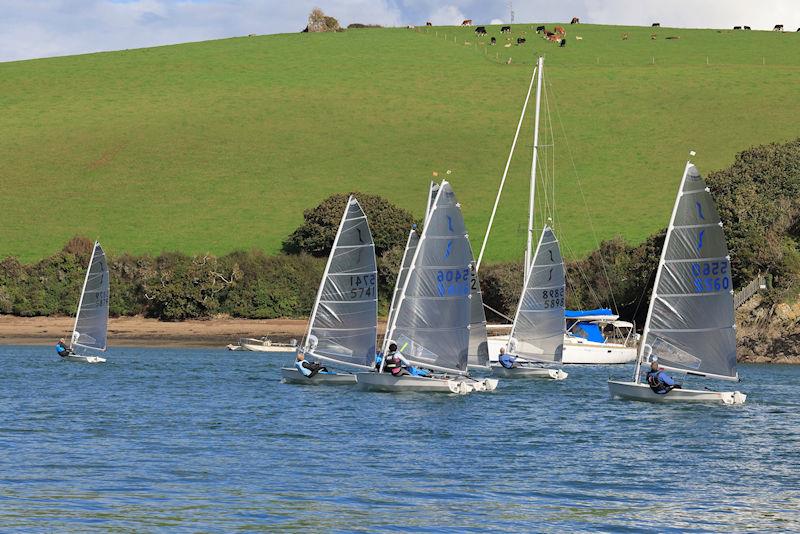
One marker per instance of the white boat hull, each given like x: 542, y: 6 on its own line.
x: 387, y: 383
x: 587, y: 352
x: 583, y: 352
x: 266, y: 348
x: 642, y: 392
x: 290, y: 375
x: 83, y: 359
x: 525, y: 371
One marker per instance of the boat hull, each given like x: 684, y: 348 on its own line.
x: 266, y: 348
x: 290, y: 375
x: 529, y: 372
x: 642, y: 392
x: 586, y: 352
x: 395, y: 384
x: 578, y: 353
x: 83, y: 359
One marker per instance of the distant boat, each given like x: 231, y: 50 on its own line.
x: 598, y: 337
x: 91, y: 321
x: 263, y: 344
x: 431, y: 315
x: 343, y: 327
x: 690, y: 322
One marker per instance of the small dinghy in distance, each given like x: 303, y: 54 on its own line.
x: 431, y: 319
x: 537, y: 334
x: 91, y: 321
x: 343, y: 327
x: 690, y: 322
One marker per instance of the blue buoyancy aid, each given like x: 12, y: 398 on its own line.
x: 507, y: 361
x: 303, y: 370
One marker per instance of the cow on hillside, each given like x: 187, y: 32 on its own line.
x: 505, y: 29
x: 563, y: 43
x: 575, y: 20
x: 656, y: 25
x: 429, y: 23
x: 560, y: 29
x: 737, y: 27
x: 493, y: 41
x: 747, y: 27
x: 540, y: 29
x: 467, y: 22
x: 520, y: 40
x: 778, y: 28
x: 480, y: 30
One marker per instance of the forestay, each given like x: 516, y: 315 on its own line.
x: 431, y: 325
x: 344, y: 324
x: 690, y: 325
x: 91, y: 321
x: 538, y: 330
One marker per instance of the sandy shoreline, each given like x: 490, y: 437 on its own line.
x: 141, y: 332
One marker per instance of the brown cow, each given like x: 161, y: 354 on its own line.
x: 467, y: 22
x: 560, y: 29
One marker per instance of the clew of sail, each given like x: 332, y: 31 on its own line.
x: 690, y: 325
x: 431, y: 324
x: 91, y: 321
x: 344, y: 324
x: 538, y: 330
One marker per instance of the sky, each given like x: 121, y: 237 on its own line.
x: 44, y: 28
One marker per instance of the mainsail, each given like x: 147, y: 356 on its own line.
x: 91, y: 321
x: 408, y: 255
x: 690, y: 323
x: 431, y: 325
x: 538, y: 331
x: 344, y: 321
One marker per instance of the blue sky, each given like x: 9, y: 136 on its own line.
x: 43, y: 28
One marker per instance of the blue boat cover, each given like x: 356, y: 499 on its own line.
x: 574, y: 314
x: 589, y: 331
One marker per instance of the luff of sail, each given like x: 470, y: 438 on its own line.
x: 538, y: 330
x: 91, y: 321
x: 344, y: 323
x: 431, y: 326
x: 478, y: 343
x: 690, y: 326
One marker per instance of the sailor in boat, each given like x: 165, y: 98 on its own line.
x: 659, y: 381
x: 507, y: 360
x: 62, y: 349
x: 398, y: 365
x: 308, y: 369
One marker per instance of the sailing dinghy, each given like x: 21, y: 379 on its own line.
x: 91, y: 321
x: 690, y: 322
x: 537, y: 334
x: 430, y: 320
x: 343, y: 327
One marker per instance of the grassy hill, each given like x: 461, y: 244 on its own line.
x: 221, y: 145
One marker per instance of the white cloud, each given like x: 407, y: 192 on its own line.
x: 446, y: 16
x: 495, y: 22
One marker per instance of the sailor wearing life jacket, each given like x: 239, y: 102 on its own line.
x: 659, y: 381
x: 395, y: 362
x: 308, y: 369
x: 506, y: 360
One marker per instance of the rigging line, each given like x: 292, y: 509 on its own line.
x: 503, y: 315
x: 586, y: 206
x: 583, y: 275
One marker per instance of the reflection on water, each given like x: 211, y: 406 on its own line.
x: 208, y: 438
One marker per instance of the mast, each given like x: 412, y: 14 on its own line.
x: 505, y: 171
x: 643, y: 341
x: 528, y: 251
x: 83, y: 291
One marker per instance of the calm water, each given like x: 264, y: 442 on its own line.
x: 211, y: 440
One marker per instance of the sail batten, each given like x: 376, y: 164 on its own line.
x: 690, y: 325
x: 91, y: 320
x: 538, y: 330
x: 432, y: 321
x: 343, y: 325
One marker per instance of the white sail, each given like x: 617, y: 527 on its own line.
x: 91, y: 321
x: 538, y: 330
x: 690, y: 322
x: 408, y: 255
x: 344, y: 322
x: 478, y: 342
x: 431, y: 325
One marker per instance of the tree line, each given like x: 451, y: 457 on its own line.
x: 758, y: 198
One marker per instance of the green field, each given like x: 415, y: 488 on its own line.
x: 221, y: 145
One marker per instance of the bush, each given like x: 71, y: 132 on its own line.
x: 388, y: 223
